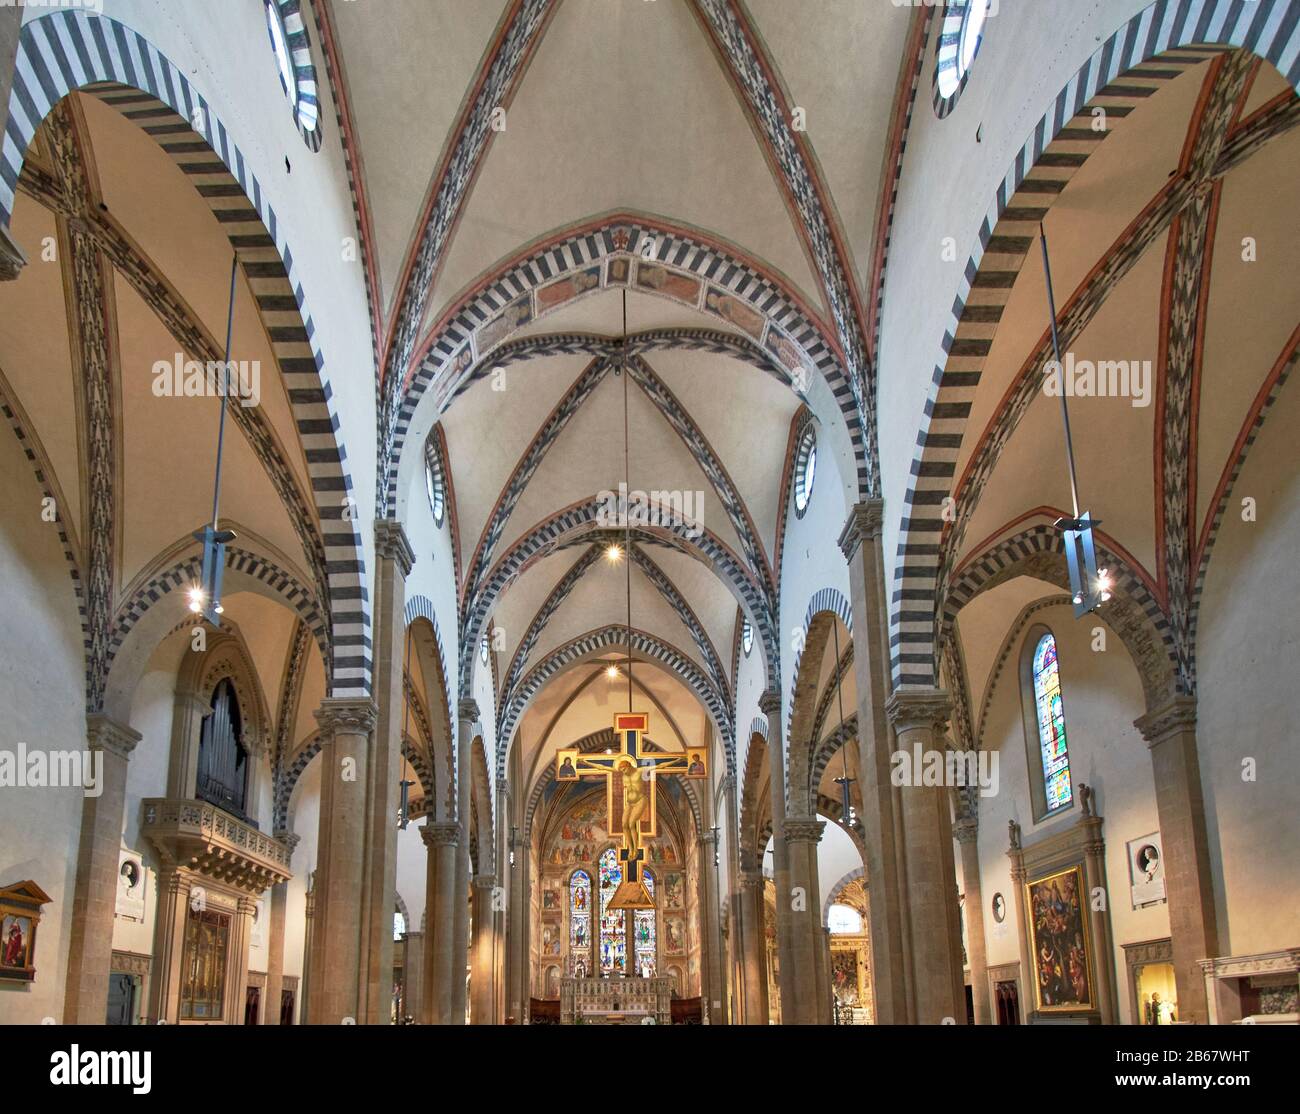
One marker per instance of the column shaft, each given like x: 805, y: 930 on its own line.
x: 94, y: 895
x: 482, y: 983
x: 442, y: 839
x: 967, y: 832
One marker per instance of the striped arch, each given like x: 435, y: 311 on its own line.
x: 401, y: 908
x: 66, y: 51
x: 182, y: 574
x: 1163, y: 40
x: 802, y: 705
x: 593, y: 642
x: 306, y: 112
x: 289, y: 779
x: 834, y: 892
x: 826, y: 749
x: 420, y: 764
x: 579, y: 522
x: 421, y: 607
x: 1133, y: 612
x: 603, y: 739
x: 751, y: 844
x: 611, y: 252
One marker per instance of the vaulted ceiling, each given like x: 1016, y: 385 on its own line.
x: 636, y: 110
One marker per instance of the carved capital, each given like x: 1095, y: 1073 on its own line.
x: 802, y: 829
x: 103, y: 733
x: 12, y: 259
x: 1169, y: 719
x: 347, y: 717
x: 752, y: 879
x: 484, y: 882
x: 392, y: 544
x: 467, y: 710
x: 911, y: 707
x: 711, y: 838
x: 770, y: 703
x: 440, y: 833
x: 865, y: 522
x: 966, y: 829
x: 289, y: 839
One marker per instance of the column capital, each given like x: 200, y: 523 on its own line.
x: 354, y: 717
x: 966, y: 829
x: 909, y: 707
x: 770, y: 703
x: 710, y: 838
x: 12, y: 259
x: 467, y: 709
x: 440, y: 833
x: 752, y: 879
x: 105, y: 733
x: 728, y: 783
x: 392, y: 544
x: 802, y: 829
x: 1175, y: 716
x: 864, y: 523
x: 484, y: 881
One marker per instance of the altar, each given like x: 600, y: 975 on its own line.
x: 615, y: 1000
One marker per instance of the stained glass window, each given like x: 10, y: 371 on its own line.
x: 643, y: 933
x: 613, y: 923
x: 1051, y: 725
x: 579, y: 920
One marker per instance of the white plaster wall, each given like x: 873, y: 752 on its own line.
x: 949, y: 183
x: 1246, y: 646
x: 1102, y: 696
x: 42, y: 687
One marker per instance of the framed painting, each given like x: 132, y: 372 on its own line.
x: 20, y: 915
x: 1060, y: 942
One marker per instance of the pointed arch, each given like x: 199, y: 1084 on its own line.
x: 69, y: 50
x: 1161, y: 41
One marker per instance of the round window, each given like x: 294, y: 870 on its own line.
x: 746, y: 638
x: 433, y: 486
x: 805, y: 470
x: 292, y: 49
x: 960, y: 35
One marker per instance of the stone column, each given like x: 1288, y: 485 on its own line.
x: 1094, y: 869
x: 466, y: 717
x: 275, y: 942
x: 336, y: 961
x: 919, y: 716
x: 482, y: 984
x: 517, y: 931
x: 308, y: 937
x: 753, y: 944
x: 94, y: 894
x: 241, y: 921
x: 825, y: 999
x: 1170, y: 733
x: 395, y: 559
x: 801, y: 997
x: 413, y: 975
x: 861, y: 544
x: 442, y: 839
x: 770, y: 705
x: 966, y: 831
x: 168, y: 943
x: 712, y: 958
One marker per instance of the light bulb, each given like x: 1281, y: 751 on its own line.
x: 613, y: 553
x: 612, y: 672
x: 196, y: 600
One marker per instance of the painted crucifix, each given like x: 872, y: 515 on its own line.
x: 630, y: 773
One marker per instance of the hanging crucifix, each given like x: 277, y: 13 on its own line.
x: 630, y: 774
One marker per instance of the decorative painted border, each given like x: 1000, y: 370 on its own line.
x: 684, y: 266
x: 1159, y: 42
x: 65, y: 51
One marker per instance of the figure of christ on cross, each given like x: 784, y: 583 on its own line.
x: 631, y: 811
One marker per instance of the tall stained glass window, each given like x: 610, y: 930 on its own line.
x: 1051, y: 725
x: 643, y: 933
x: 613, y: 923
x: 580, y: 922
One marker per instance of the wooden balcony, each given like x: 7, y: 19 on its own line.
x: 211, y: 842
